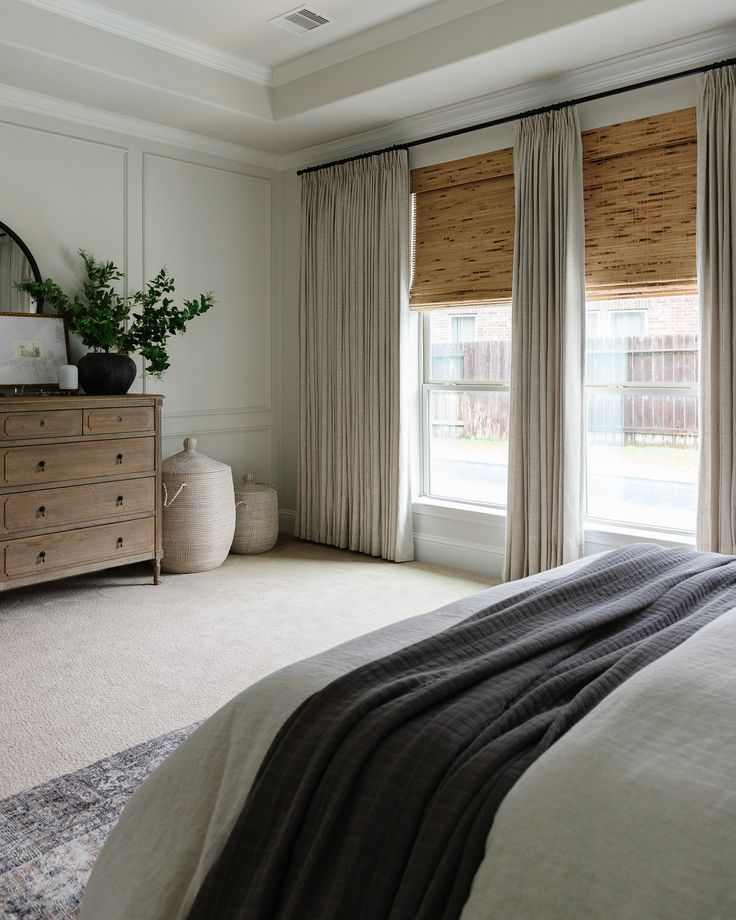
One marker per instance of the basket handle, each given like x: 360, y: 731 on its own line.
x: 167, y: 503
x: 249, y: 478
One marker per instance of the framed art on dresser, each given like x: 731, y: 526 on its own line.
x: 32, y: 348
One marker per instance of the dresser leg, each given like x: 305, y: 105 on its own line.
x: 157, y: 571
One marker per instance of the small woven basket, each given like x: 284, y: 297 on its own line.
x: 199, y: 511
x: 256, y: 517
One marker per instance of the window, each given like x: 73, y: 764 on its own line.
x: 642, y: 409
x: 592, y: 323
x: 467, y: 366
x: 639, y: 182
x: 461, y: 279
x: 642, y: 351
x: 628, y: 322
x: 463, y: 328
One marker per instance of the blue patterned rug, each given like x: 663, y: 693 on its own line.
x: 50, y: 835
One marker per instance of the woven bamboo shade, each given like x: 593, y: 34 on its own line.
x: 640, y: 194
x: 463, y: 231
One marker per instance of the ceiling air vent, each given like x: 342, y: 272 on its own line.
x: 300, y: 20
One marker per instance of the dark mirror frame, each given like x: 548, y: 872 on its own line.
x: 29, y: 255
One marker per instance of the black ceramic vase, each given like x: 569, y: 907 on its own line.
x: 106, y: 373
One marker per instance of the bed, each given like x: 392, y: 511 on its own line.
x: 559, y: 748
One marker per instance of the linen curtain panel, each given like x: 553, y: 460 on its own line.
x: 354, y: 489
x: 545, y: 487
x: 716, y: 248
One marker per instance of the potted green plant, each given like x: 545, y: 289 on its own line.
x: 113, y: 326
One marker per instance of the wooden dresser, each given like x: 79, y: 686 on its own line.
x: 80, y: 485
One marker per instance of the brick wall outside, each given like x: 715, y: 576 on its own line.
x: 664, y: 316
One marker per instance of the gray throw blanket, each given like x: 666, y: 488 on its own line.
x: 376, y: 798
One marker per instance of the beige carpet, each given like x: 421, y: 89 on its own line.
x: 92, y: 665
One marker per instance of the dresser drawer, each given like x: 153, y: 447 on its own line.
x: 109, y: 421
x: 42, y: 464
x: 76, y: 504
x: 16, y: 426
x: 36, y: 555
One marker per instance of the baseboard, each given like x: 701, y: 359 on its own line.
x: 459, y: 554
x: 287, y: 521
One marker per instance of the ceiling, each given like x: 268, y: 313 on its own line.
x: 221, y: 71
x: 241, y: 27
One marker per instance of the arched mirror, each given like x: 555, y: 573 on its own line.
x: 16, y: 264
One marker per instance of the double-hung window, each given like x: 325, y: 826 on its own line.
x: 466, y: 404
x: 642, y: 415
x: 642, y: 323
x: 461, y: 280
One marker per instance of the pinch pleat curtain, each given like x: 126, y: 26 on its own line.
x: 354, y: 470
x: 545, y: 486
x: 716, y: 260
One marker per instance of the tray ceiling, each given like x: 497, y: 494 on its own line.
x: 220, y: 70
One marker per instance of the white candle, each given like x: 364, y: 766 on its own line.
x: 68, y: 377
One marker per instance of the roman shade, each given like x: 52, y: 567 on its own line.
x: 640, y: 193
x: 463, y: 231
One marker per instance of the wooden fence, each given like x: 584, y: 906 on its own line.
x: 615, y: 418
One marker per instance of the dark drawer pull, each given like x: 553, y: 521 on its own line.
x: 120, y: 419
x: 120, y: 500
x: 120, y: 542
x: 41, y: 466
x: 119, y: 458
x: 42, y: 556
x: 42, y: 423
x: 42, y: 510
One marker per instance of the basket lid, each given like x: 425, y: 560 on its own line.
x: 251, y: 487
x: 189, y: 461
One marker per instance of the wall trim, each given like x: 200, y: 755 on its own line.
x: 240, y: 410
x: 146, y: 33
x: 629, y: 68
x: 462, y: 555
x: 667, y: 58
x: 225, y: 429
x: 454, y: 511
x: 57, y: 108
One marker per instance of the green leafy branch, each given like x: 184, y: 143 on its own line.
x: 102, y: 318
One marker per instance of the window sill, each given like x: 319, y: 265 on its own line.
x: 620, y: 534
x: 596, y: 532
x: 459, y: 511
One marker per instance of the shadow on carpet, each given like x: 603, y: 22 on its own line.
x: 51, y: 835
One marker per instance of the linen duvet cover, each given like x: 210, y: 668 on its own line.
x: 387, y: 778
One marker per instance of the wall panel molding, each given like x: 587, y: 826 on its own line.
x: 238, y: 410
x: 89, y: 116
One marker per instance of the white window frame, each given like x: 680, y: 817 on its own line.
x: 636, y: 389
x: 430, y: 385
x: 612, y: 314
x: 473, y: 316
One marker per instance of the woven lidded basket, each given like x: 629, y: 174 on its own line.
x: 256, y: 517
x: 199, y: 511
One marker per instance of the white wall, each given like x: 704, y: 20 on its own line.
x: 446, y: 535
x: 143, y: 204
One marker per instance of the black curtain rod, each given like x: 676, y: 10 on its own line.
x: 505, y: 119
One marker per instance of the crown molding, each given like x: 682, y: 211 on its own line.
x: 53, y: 107
x: 619, y: 71
x: 91, y: 14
